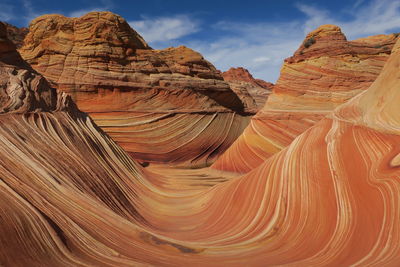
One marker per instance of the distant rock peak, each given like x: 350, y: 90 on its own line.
x: 242, y: 74
x: 243, y: 83
x: 238, y: 73
x: 328, y: 40
x: 331, y: 32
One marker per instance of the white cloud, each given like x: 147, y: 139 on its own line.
x: 358, y: 3
x: 378, y: 17
x: 315, y: 17
x: 261, y: 59
x: 259, y: 47
x: 164, y: 29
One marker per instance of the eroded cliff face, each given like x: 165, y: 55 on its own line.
x: 241, y: 80
x: 326, y: 71
x: 165, y: 106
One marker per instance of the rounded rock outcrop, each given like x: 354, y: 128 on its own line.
x: 131, y: 90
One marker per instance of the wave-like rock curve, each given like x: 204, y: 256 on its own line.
x: 70, y: 196
x: 326, y: 71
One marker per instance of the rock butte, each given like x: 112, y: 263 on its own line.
x: 326, y: 71
x: 70, y: 196
x: 240, y: 79
x: 165, y: 106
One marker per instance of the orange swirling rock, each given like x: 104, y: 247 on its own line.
x: 329, y: 199
x: 70, y: 196
x: 240, y: 79
x: 45, y: 139
x: 166, y: 105
x: 326, y: 71
x: 64, y: 183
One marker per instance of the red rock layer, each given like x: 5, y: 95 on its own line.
x: 326, y: 71
x: 71, y: 197
x: 240, y: 79
x: 158, y: 104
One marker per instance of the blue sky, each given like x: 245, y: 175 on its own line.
x: 257, y: 35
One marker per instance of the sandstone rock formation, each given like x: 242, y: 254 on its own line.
x: 70, y: 196
x: 65, y: 186
x: 45, y: 140
x: 15, y: 34
x: 22, y: 89
x: 168, y: 106
x: 240, y: 79
x: 326, y: 71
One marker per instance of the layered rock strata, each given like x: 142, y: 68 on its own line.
x: 53, y: 158
x: 70, y: 196
x: 326, y: 71
x: 165, y: 106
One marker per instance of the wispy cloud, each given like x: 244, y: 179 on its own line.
x: 259, y: 47
x: 104, y: 5
x: 358, y: 3
x: 6, y: 12
x: 261, y: 59
x: 315, y: 17
x: 20, y: 12
x: 30, y: 12
x: 378, y: 16
x: 164, y: 29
